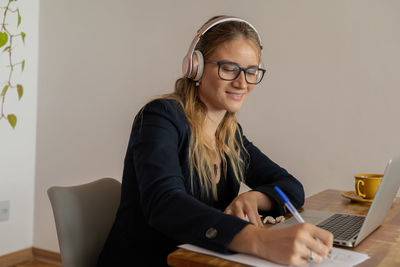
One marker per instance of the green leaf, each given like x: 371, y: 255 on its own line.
x: 19, y: 18
x: 5, y: 88
x: 6, y: 49
x: 23, y: 37
x: 12, y: 119
x: 23, y: 65
x: 20, y: 90
x: 3, y: 38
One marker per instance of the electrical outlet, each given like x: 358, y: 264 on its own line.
x: 4, y: 210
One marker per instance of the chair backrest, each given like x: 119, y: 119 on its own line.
x: 84, y: 215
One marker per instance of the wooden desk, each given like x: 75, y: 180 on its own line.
x: 383, y: 245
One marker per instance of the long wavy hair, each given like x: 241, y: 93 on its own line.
x: 201, y: 152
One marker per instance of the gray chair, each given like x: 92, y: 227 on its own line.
x: 84, y: 215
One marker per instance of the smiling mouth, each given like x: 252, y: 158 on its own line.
x: 235, y: 94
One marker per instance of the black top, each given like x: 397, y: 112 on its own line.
x: 225, y: 193
x: 158, y: 208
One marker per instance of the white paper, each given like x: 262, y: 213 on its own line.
x: 340, y: 257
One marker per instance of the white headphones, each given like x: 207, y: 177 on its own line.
x: 193, y: 62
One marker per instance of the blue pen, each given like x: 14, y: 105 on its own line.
x: 289, y: 205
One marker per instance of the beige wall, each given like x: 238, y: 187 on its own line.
x: 17, y: 146
x: 326, y: 110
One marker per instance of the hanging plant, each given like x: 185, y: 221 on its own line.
x: 9, y: 39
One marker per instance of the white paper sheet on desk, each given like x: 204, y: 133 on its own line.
x: 340, y: 257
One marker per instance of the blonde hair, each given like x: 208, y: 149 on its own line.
x: 228, y: 146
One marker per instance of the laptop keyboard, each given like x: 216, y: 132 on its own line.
x: 343, y: 226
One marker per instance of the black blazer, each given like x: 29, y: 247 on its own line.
x: 158, y: 210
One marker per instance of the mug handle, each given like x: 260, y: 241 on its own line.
x: 358, y: 188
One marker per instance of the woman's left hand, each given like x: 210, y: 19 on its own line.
x: 248, y: 204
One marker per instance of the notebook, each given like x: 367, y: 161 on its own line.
x: 359, y: 227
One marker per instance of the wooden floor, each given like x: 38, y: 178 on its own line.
x: 35, y: 263
x: 31, y: 257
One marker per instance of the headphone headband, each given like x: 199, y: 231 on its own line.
x: 187, y: 65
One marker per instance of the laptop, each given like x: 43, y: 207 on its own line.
x: 351, y: 229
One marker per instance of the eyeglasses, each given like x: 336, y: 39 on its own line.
x: 229, y: 71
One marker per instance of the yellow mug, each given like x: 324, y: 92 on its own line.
x: 367, y: 184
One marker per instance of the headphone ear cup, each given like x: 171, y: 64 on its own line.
x: 186, y: 66
x: 198, y: 65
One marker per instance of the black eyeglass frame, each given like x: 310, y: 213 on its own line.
x: 219, y: 63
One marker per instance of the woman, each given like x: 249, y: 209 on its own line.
x: 187, y: 156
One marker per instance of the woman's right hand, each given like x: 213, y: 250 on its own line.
x: 292, y: 245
